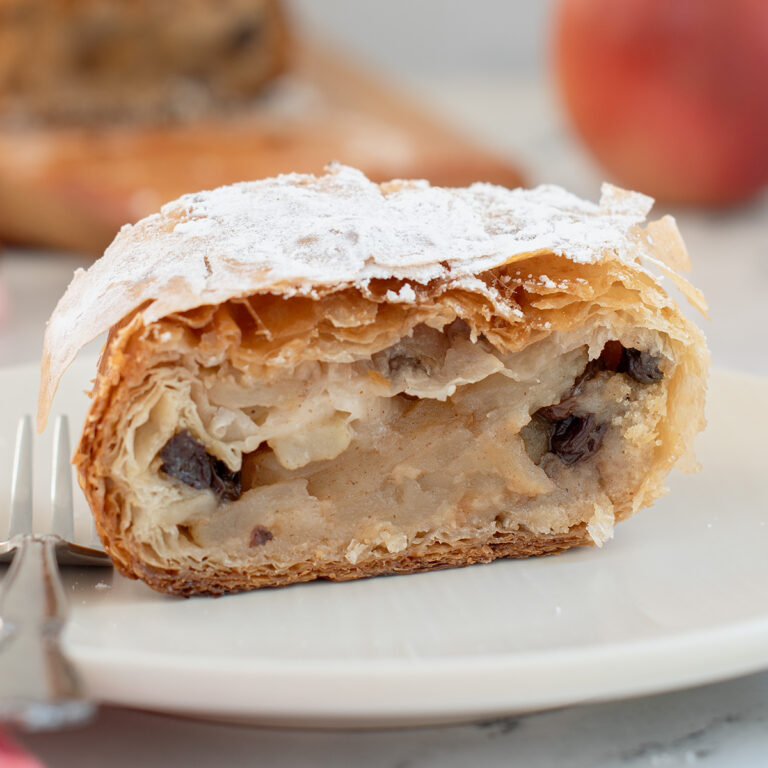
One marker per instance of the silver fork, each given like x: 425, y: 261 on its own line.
x: 39, y: 688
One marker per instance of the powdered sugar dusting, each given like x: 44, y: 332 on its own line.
x: 406, y: 295
x: 295, y: 233
x: 547, y: 281
x: 195, y: 227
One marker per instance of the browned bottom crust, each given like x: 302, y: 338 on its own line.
x: 429, y: 557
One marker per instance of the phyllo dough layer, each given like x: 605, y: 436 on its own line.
x: 391, y: 422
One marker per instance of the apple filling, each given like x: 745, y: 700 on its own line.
x: 436, y: 438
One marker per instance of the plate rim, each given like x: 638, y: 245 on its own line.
x: 296, y: 692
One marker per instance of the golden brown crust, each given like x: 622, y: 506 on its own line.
x: 433, y: 557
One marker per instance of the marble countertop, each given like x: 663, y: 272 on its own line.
x: 717, y: 725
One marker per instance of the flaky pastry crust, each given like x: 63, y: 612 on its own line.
x: 506, y: 284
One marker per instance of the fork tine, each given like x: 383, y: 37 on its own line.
x: 62, y: 514
x: 21, y: 484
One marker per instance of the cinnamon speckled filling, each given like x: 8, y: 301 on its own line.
x: 433, y: 438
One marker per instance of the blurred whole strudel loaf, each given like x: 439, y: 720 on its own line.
x: 81, y: 157
x: 87, y: 61
x: 322, y: 377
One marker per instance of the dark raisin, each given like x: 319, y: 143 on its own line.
x: 641, y: 366
x: 186, y: 460
x: 610, y: 357
x: 225, y: 483
x: 576, y: 438
x: 559, y: 411
x: 260, y: 535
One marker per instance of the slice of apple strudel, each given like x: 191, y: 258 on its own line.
x: 321, y: 377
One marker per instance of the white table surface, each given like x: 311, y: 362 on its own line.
x: 717, y: 725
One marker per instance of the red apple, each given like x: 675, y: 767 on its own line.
x: 670, y: 95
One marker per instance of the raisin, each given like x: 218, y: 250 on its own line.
x: 260, y: 535
x: 610, y: 357
x: 559, y: 411
x: 225, y: 483
x: 641, y: 366
x: 576, y: 438
x: 186, y: 460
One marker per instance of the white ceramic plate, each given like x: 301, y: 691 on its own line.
x: 679, y: 597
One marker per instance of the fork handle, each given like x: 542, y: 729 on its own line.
x: 39, y: 689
